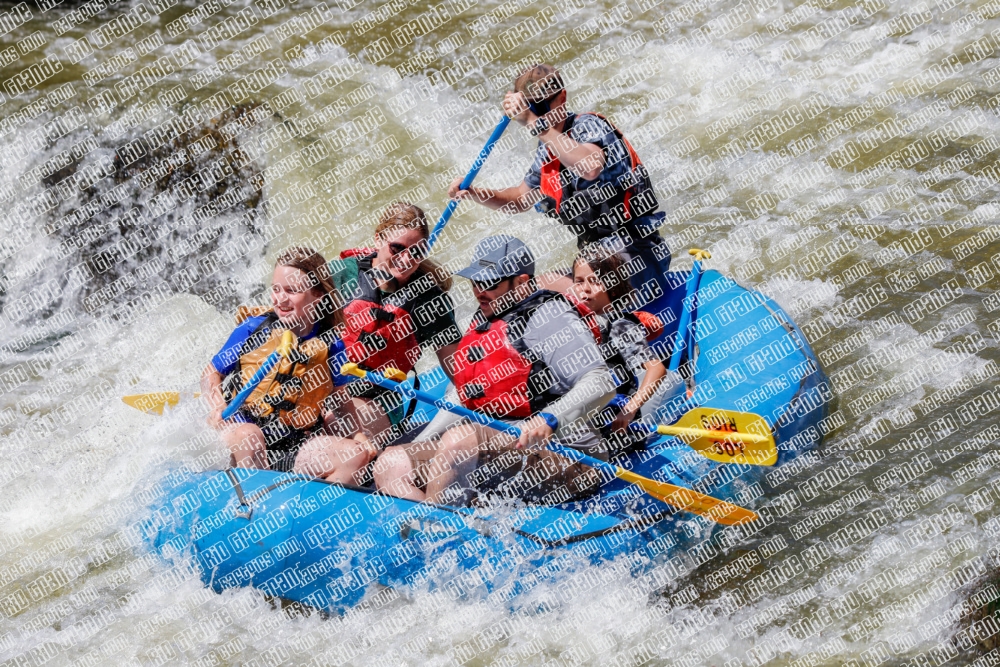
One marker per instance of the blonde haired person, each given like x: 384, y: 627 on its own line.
x: 508, y: 367
x: 396, y: 305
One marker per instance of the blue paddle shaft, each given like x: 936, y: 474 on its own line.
x: 264, y: 369
x: 442, y: 404
x: 467, y: 181
x: 480, y: 418
x: 685, y: 319
x: 485, y: 153
x: 580, y: 457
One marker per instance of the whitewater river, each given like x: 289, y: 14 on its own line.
x: 156, y: 156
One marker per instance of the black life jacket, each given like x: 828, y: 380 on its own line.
x: 597, y: 211
x: 622, y: 374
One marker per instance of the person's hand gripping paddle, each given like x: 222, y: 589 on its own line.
x: 682, y: 498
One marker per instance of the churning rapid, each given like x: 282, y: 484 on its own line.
x: 840, y: 157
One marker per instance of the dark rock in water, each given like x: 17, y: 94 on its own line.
x: 156, y: 216
x: 979, y: 632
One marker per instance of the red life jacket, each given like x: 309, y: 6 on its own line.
x: 600, y: 210
x: 379, y: 330
x: 496, y: 373
x: 652, y: 324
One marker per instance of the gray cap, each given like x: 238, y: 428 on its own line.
x: 499, y: 256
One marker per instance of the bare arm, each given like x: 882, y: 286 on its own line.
x: 650, y: 381
x: 585, y: 160
x: 517, y: 199
x: 446, y: 357
x: 211, y: 389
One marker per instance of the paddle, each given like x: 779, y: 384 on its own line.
x: 751, y: 442
x: 725, y: 436
x: 467, y: 181
x: 284, y: 347
x: 687, y: 306
x: 155, y: 402
x: 671, y: 494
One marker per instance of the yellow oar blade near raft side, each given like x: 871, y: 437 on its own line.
x: 726, y: 436
x: 718, y: 510
x: 679, y: 497
x: 154, y: 403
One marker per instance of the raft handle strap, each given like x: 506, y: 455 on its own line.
x: 240, y: 513
x: 413, y: 401
x: 248, y: 502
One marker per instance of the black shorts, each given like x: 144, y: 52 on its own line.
x: 282, y: 441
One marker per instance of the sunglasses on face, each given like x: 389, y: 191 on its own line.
x: 417, y: 251
x: 543, y: 107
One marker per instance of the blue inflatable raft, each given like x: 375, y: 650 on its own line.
x: 328, y: 546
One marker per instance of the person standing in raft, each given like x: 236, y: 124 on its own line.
x: 282, y: 422
x: 529, y: 358
x: 600, y: 282
x: 397, y: 302
x: 585, y: 174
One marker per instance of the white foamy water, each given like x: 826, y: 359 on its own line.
x: 840, y: 157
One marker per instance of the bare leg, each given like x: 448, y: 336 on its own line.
x: 359, y: 415
x: 449, y: 459
x: 334, y: 459
x: 246, y: 442
x: 456, y: 457
x: 394, y: 474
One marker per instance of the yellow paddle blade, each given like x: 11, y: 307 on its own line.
x: 689, y: 500
x: 154, y: 403
x: 726, y: 436
x: 395, y: 374
x: 352, y: 369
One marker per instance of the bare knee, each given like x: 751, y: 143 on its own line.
x: 457, y: 443
x: 244, y: 435
x: 326, y: 455
x: 392, y: 464
x: 313, y: 461
x: 247, y: 445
